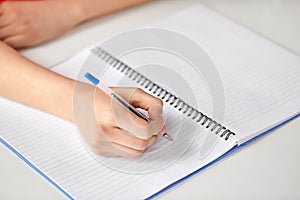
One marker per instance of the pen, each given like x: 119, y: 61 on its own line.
x: 120, y: 100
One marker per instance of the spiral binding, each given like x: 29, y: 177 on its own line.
x: 168, y: 97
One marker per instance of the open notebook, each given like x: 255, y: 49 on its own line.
x: 261, y: 82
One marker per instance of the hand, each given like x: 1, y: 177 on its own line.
x: 119, y: 131
x: 28, y: 23
x: 107, y: 127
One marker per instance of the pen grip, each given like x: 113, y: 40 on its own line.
x: 129, y: 107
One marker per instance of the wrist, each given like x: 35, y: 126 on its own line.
x: 77, y: 11
x: 80, y: 11
x: 88, y: 9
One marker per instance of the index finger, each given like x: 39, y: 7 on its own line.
x: 138, y: 97
x: 135, y: 125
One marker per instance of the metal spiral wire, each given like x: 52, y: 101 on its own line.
x: 166, y: 96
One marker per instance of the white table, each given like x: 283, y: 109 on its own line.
x: 268, y: 169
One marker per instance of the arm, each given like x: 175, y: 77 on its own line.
x: 28, y: 23
x: 28, y: 83
x: 97, y: 8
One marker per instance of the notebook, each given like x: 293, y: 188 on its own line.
x: 261, y: 92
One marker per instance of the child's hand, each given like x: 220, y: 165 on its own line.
x: 120, y: 132
x: 109, y: 128
x: 28, y: 23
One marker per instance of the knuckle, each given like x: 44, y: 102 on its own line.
x: 105, y: 125
x: 100, y: 152
x: 24, y: 25
x: 11, y: 43
x: 97, y: 144
x: 135, y: 155
x: 158, y: 101
x: 141, y: 144
x: 13, y: 14
x: 105, y: 129
x: 138, y: 91
x: 106, y: 135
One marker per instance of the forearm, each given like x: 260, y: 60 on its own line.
x: 28, y: 83
x: 88, y: 9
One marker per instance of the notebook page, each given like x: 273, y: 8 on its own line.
x: 261, y: 79
x: 111, y: 77
x: 56, y: 148
x: 72, y: 169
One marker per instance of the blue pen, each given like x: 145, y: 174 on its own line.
x: 120, y: 100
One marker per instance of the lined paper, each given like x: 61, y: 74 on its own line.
x: 55, y: 146
x: 261, y: 79
x: 261, y: 82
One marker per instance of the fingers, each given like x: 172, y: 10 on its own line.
x: 154, y: 106
x: 157, y: 124
x: 142, y: 99
x: 15, y: 41
x: 138, y: 97
x: 7, y: 26
x: 117, y: 150
x: 128, y: 121
x: 3, y: 21
x: 7, y: 31
x: 12, y: 37
x: 15, y: 28
x: 125, y: 133
x: 126, y: 139
x: 134, y: 124
x: 1, y: 8
x: 7, y: 16
x: 132, y: 148
x: 104, y: 153
x: 120, y: 143
x: 126, y: 152
x: 1, y: 11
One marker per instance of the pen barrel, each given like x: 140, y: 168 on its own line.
x: 126, y: 105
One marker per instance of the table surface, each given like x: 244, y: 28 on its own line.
x: 267, y: 169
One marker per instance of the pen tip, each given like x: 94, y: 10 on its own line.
x: 165, y: 135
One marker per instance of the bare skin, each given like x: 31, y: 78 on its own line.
x: 26, y: 82
x: 28, y: 23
